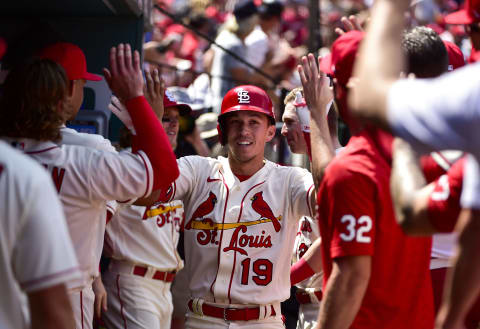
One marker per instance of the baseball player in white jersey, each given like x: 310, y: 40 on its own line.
x: 86, y: 178
x: 309, y: 283
x: 36, y: 253
x: 309, y: 292
x: 142, y: 245
x: 73, y: 61
x: 241, y: 215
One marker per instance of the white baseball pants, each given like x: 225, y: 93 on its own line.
x: 135, y: 302
x: 82, y: 305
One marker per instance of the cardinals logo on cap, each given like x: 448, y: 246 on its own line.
x: 243, y: 96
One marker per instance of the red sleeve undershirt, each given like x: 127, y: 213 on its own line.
x: 152, y: 139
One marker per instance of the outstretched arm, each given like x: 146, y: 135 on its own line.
x: 126, y: 81
x: 410, y: 192
x: 318, y: 95
x: 380, y: 61
x: 344, y: 293
x: 462, y: 285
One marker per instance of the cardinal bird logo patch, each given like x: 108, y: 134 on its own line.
x: 203, y: 209
x: 263, y: 209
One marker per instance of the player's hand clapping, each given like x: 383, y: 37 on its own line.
x: 125, y: 76
x: 154, y: 90
x: 316, y: 86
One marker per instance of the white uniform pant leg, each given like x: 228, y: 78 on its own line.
x: 307, y: 316
x: 135, y: 302
x: 206, y: 322
x: 82, y: 305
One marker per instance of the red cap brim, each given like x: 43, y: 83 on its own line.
x: 459, y: 17
x: 92, y: 77
x: 184, y: 109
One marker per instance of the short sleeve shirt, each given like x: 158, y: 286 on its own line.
x: 239, y: 234
x: 356, y: 218
x: 35, y: 250
x: 442, y: 113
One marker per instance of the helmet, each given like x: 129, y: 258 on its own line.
x: 245, y: 98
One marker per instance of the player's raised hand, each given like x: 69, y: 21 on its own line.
x: 125, y: 76
x: 154, y: 89
x: 316, y: 85
x: 350, y: 23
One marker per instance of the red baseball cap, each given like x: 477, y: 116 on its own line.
x: 468, y: 15
x: 455, y: 56
x: 339, y: 63
x: 170, y: 101
x: 71, y: 58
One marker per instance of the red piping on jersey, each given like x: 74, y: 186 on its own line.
x: 235, y: 252
x: 121, y: 303
x: 40, y: 151
x: 25, y: 285
x: 221, y: 236
x: 308, y: 201
x: 174, y: 191
x: 81, y: 307
x: 148, y: 175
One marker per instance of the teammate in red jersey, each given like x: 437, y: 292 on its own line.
x: 375, y: 276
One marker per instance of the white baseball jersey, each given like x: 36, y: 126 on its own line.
x: 35, y: 249
x: 239, y: 235
x: 98, y: 142
x: 85, y: 178
x: 146, y: 235
x: 308, y: 231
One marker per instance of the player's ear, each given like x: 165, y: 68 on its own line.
x: 271, y: 130
x: 60, y: 105
x: 70, y: 89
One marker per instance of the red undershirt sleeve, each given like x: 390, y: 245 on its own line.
x: 152, y: 139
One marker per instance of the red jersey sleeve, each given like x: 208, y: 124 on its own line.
x: 444, y: 202
x: 352, y: 216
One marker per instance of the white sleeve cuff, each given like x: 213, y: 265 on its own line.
x: 471, y: 184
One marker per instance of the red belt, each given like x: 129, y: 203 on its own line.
x: 304, y: 297
x: 231, y: 314
x: 158, y: 275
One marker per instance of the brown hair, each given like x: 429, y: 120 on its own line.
x: 30, y: 98
x: 291, y: 95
